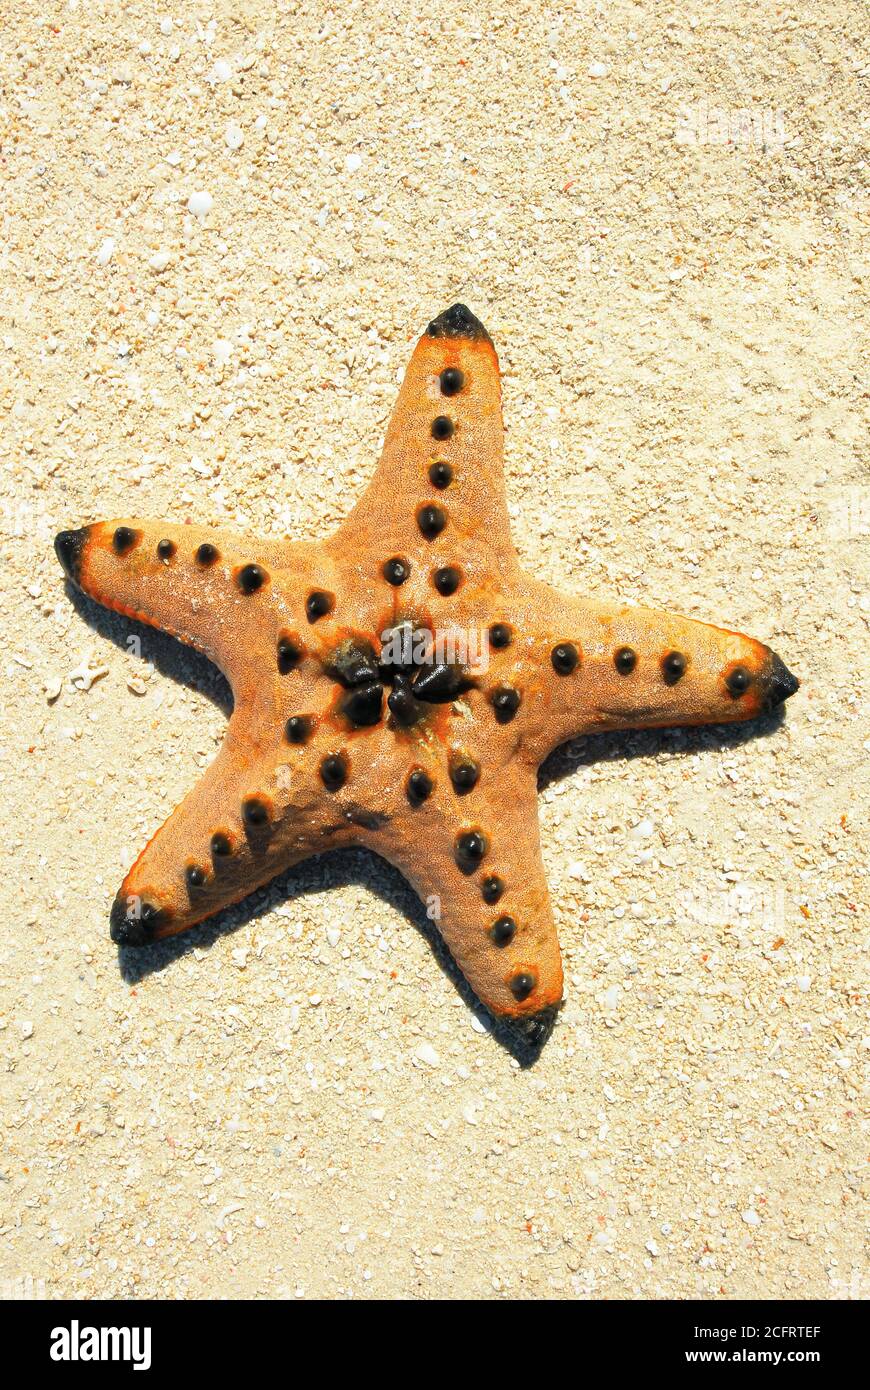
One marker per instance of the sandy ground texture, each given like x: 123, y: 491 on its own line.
x: 221, y: 235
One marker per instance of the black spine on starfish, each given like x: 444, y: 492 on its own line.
x: 440, y: 683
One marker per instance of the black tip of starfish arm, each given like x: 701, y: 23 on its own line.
x: 132, y: 923
x: 535, y: 1029
x: 68, y: 547
x: 780, y: 683
x: 458, y: 322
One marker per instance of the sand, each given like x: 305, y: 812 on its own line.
x: 300, y: 1101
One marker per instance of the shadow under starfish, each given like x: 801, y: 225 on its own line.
x: 166, y: 654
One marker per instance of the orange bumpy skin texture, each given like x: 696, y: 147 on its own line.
x: 349, y: 729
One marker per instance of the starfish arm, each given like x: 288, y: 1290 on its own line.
x: 439, y: 486
x: 475, y: 861
x: 591, y: 666
x: 200, y: 859
x: 204, y: 585
x: 258, y: 809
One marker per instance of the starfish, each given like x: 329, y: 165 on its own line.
x: 398, y: 685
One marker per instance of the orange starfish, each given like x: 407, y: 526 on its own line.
x: 398, y: 685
